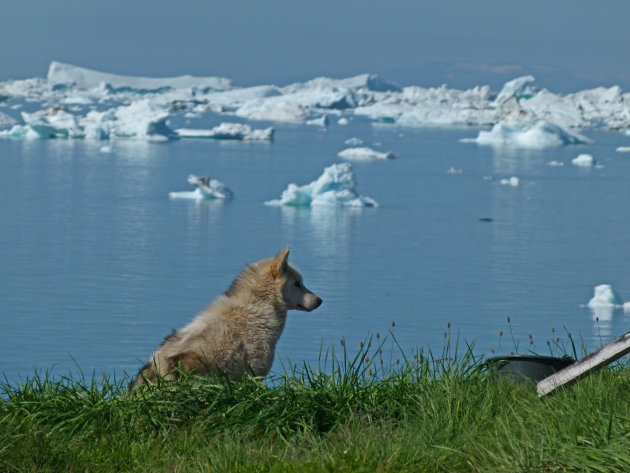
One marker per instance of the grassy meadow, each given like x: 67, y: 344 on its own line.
x: 424, y: 413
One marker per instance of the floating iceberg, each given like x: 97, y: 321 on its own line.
x: 206, y: 188
x: 101, y: 105
x: 527, y: 134
x: 319, y: 121
x: 623, y: 149
x: 141, y: 119
x: 335, y: 187
x: 354, y: 141
x: 6, y: 121
x: 555, y: 163
x: 364, y: 154
x: 584, y: 160
x: 605, y: 300
x: 229, y: 131
x: 342, y: 121
x: 512, y: 181
x: 519, y: 88
x: 66, y: 74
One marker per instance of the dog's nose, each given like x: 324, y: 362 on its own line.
x: 318, y: 302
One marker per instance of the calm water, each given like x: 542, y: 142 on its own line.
x: 97, y: 265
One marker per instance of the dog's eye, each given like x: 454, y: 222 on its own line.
x: 297, y: 284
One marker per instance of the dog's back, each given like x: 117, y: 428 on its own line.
x: 238, y: 332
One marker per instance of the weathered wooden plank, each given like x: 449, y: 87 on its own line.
x: 596, y: 360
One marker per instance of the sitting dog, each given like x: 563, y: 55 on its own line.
x: 237, y: 333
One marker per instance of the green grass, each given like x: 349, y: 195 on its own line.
x: 427, y: 413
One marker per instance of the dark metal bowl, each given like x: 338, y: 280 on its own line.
x: 528, y: 367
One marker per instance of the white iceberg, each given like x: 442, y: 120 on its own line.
x: 354, y: 141
x: 522, y: 115
x: 606, y: 296
x: 206, y: 188
x: 584, y: 160
x: 519, y: 88
x: 605, y: 301
x: 273, y: 109
x: 364, y: 154
x: 67, y: 74
x: 512, y: 181
x: 538, y: 134
x: 141, y: 119
x: 555, y: 163
x: 342, y: 121
x: 335, y: 187
x: 229, y: 131
x: 6, y: 121
x: 623, y: 149
x: 319, y: 121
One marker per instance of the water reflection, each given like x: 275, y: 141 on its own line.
x: 329, y: 228
x: 507, y: 160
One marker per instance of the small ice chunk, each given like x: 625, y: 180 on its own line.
x: 606, y: 296
x: 6, y: 121
x: 623, y: 149
x: 538, y: 134
x: 229, y: 131
x: 343, y: 121
x: 319, y: 121
x: 335, y: 187
x: 512, y: 181
x: 206, y: 188
x: 520, y: 88
x: 555, y: 163
x: 364, y: 154
x: 584, y: 160
x: 354, y: 141
x: 105, y: 149
x: 454, y: 170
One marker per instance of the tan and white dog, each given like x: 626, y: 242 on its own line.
x: 237, y: 333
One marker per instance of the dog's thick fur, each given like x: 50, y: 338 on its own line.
x: 237, y: 333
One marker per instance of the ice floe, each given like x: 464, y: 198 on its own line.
x: 205, y: 188
x: 336, y: 187
x: 6, y: 121
x: 229, y: 131
x: 364, y: 154
x: 623, y: 149
x: 555, y: 163
x: 584, y: 160
x: 512, y: 181
x: 528, y: 134
x: 319, y: 121
x: 99, y: 105
x: 354, y: 141
x: 60, y: 74
x: 605, y: 301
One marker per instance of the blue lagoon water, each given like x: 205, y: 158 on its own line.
x: 97, y: 264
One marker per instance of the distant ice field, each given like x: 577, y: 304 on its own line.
x: 98, y: 264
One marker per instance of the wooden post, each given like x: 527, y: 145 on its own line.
x: 596, y: 360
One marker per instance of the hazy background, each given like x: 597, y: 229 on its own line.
x: 567, y: 45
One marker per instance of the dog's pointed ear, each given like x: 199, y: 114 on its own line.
x: 280, y: 262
